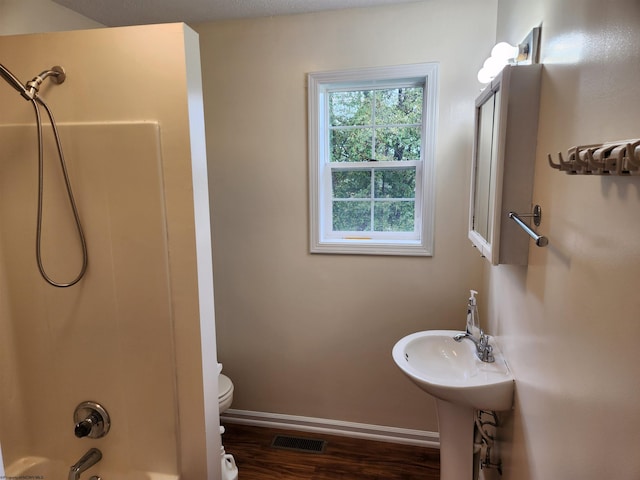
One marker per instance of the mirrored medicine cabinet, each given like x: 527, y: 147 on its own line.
x: 506, y: 127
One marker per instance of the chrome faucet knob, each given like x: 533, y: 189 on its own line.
x: 488, y: 354
x: 84, y: 428
x: 91, y: 420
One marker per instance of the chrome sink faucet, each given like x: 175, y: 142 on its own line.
x: 484, y: 351
x: 87, y: 461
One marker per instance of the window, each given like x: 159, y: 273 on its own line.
x: 371, y: 149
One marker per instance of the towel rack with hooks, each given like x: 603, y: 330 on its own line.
x: 612, y: 158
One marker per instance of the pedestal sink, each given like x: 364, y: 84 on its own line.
x: 461, y: 383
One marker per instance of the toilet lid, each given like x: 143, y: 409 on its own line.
x: 224, y: 386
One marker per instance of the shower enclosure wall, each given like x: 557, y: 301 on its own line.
x: 137, y: 333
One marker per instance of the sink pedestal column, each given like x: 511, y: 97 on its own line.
x: 456, y: 425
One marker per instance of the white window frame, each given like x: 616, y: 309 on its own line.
x: 418, y: 243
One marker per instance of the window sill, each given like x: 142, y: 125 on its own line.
x: 372, y: 247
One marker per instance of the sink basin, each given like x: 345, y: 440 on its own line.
x: 462, y: 384
x: 451, y: 371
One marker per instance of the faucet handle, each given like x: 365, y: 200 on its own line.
x: 488, y: 354
x: 91, y: 420
x: 86, y: 426
x: 485, y: 351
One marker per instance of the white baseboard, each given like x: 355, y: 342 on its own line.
x: 333, y: 427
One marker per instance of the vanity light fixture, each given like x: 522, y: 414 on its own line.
x: 503, y: 53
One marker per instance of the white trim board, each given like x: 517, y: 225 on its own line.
x: 378, y: 433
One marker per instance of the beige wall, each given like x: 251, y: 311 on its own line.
x: 567, y: 323
x: 36, y: 16
x: 311, y: 335
x: 130, y: 331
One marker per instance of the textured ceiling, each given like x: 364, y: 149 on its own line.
x: 114, y: 13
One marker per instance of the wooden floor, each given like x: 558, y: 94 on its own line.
x: 343, y: 458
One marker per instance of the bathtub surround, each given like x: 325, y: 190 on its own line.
x: 137, y: 333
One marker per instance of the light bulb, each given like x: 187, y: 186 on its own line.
x: 484, y: 76
x: 504, y: 51
x: 494, y: 65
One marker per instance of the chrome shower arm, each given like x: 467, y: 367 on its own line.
x: 58, y: 76
x: 30, y: 90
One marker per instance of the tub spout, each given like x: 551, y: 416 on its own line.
x: 88, y: 460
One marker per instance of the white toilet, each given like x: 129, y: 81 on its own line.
x: 225, y: 397
x: 225, y: 392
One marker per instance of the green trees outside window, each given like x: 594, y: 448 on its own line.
x: 366, y: 128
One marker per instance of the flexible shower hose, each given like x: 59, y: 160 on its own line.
x: 35, y: 101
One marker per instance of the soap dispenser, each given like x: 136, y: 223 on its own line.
x: 473, y: 320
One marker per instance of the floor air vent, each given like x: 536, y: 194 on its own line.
x: 299, y: 444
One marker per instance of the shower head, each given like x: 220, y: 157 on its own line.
x: 14, y: 82
x: 30, y: 90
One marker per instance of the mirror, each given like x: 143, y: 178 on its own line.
x: 483, y: 163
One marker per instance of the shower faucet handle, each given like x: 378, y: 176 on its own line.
x: 84, y: 427
x: 91, y: 420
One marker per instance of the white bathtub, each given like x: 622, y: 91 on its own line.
x: 40, y: 468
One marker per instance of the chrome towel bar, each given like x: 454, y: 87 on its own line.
x: 541, y: 240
